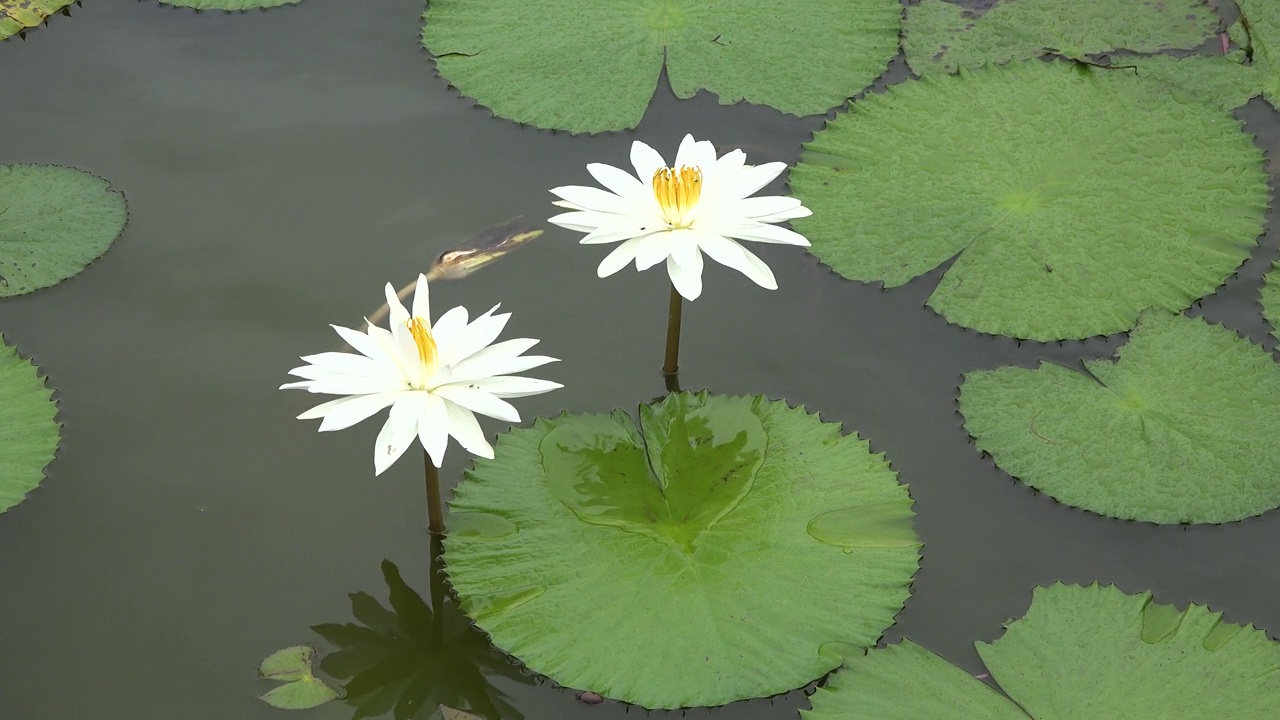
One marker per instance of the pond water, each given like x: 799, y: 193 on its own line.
x: 280, y: 167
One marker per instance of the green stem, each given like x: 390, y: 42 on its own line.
x: 672, y: 364
x: 435, y: 508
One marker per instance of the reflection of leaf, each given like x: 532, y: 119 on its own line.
x: 1080, y: 652
x: 1181, y: 428
x: 19, y: 15
x: 694, y: 539
x: 301, y: 690
x: 409, y: 660
x: 28, y: 432
x: 448, y: 713
x: 1060, y: 190
x: 229, y: 5
x: 53, y: 222
x: 941, y: 36
x: 525, y: 59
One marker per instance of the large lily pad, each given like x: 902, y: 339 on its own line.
x: 1074, y: 197
x: 53, y: 222
x: 700, y: 559
x: 1181, y: 429
x: 29, y: 434
x: 19, y: 15
x: 942, y: 36
x: 229, y: 5
x: 589, y: 66
x: 1080, y: 652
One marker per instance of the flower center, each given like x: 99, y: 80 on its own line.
x: 677, y: 192
x: 420, y: 329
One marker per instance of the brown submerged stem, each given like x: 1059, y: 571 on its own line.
x: 672, y: 363
x: 435, y: 508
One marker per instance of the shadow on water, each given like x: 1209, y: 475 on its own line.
x: 407, y: 660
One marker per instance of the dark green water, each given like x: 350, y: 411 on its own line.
x: 280, y: 167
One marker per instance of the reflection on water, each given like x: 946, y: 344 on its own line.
x: 409, y: 660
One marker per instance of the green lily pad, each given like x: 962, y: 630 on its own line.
x: 408, y: 660
x: 942, y: 36
x: 17, y: 16
x: 29, y: 434
x: 1080, y: 652
x: 590, y: 66
x: 301, y: 690
x: 1073, y: 197
x: 53, y: 222
x: 1179, y: 430
x: 1271, y: 298
x: 702, y: 558
x: 229, y: 5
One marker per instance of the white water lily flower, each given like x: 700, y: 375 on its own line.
x: 434, y: 378
x: 699, y: 204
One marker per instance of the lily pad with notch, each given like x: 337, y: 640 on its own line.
x: 700, y: 558
x: 29, y: 432
x: 1079, y: 652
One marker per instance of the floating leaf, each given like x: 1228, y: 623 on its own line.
x: 19, y: 15
x: 53, y: 222
x: 1079, y: 652
x: 229, y: 5
x: 301, y: 690
x: 692, y: 561
x: 1180, y: 429
x: 942, y: 36
x: 408, y: 660
x: 29, y: 435
x: 1221, y: 80
x: 1073, y: 197
x: 589, y: 66
x: 1271, y: 298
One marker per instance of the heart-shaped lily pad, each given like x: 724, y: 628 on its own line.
x: 700, y: 558
x: 1080, y: 652
x: 17, y: 16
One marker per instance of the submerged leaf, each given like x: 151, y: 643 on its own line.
x: 942, y: 36
x: 1071, y: 198
x: 528, y: 59
x: 696, y: 542
x: 53, y: 222
x: 19, y: 15
x: 302, y: 690
x: 229, y: 5
x: 29, y: 434
x: 1079, y: 652
x: 1180, y: 429
x: 291, y: 663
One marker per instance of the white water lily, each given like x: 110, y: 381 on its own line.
x: 698, y: 204
x: 434, y: 379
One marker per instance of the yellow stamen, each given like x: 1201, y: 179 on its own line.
x: 677, y: 192
x: 420, y: 329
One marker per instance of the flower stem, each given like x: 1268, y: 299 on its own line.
x: 435, y: 509
x: 672, y: 364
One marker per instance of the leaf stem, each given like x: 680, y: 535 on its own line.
x: 672, y: 364
x: 435, y: 509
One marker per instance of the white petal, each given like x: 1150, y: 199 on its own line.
x: 355, y: 385
x: 685, y: 153
x: 464, y: 428
x: 602, y: 236
x: 475, y: 337
x: 751, y: 179
x: 580, y: 220
x: 422, y: 299
x: 479, y: 401
x: 399, y: 432
x: 655, y: 249
x: 646, y: 161
x: 303, y: 385
x: 449, y: 327
x: 686, y: 274
x: 731, y: 254
x: 366, y: 344
x: 433, y: 428
x: 731, y: 161
x: 590, y: 198
x: 514, y: 387
x: 497, y: 360
x: 618, y: 181
x: 566, y: 204
x: 756, y: 207
x: 348, y: 411
x: 398, y: 314
x: 621, y: 255
x: 768, y: 234
x: 340, y: 362
x: 703, y: 154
